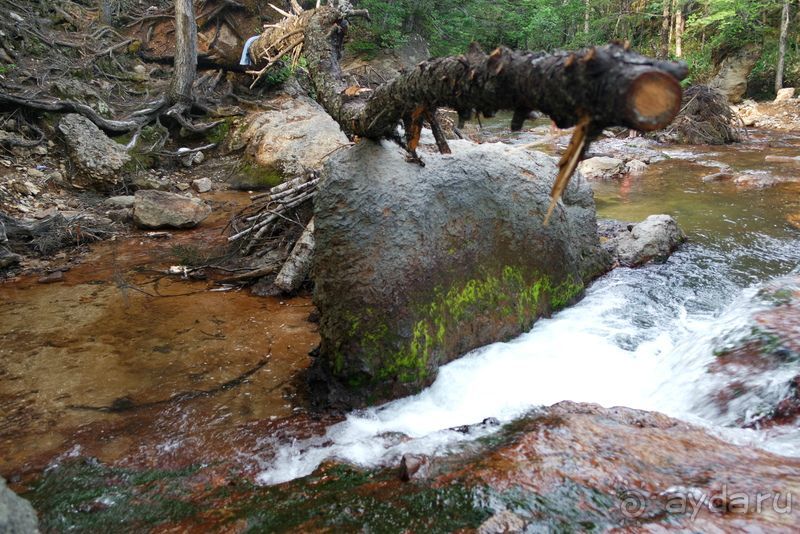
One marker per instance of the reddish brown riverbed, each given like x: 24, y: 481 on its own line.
x: 123, y: 363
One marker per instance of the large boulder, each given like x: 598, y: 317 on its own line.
x: 16, y: 514
x: 98, y: 160
x: 160, y: 209
x: 731, y: 78
x: 286, y: 141
x: 414, y: 266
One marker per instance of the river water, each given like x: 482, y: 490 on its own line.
x: 642, y: 338
x: 124, y: 364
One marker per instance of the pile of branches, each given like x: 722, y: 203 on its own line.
x: 705, y: 118
x: 265, y: 223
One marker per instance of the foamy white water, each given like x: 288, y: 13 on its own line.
x: 640, y: 338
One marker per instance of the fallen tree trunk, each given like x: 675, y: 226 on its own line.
x: 297, y: 266
x: 594, y: 88
x: 612, y: 85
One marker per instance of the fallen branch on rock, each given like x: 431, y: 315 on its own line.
x: 595, y: 87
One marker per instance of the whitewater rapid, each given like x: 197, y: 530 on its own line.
x: 640, y: 338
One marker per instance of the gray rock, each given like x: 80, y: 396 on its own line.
x: 123, y: 215
x: 17, y: 516
x: 145, y: 180
x: 160, y: 209
x: 118, y: 202
x: 653, y: 239
x: 601, y: 167
x: 289, y: 140
x: 8, y: 258
x: 202, y: 185
x: 98, y: 160
x: 635, y: 166
x: 414, y: 266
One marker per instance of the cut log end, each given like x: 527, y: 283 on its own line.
x: 654, y: 99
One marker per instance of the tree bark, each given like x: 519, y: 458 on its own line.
x: 106, y: 11
x: 180, y: 91
x: 782, y: 46
x: 679, y: 27
x: 663, y: 51
x: 297, y: 266
x: 586, y: 17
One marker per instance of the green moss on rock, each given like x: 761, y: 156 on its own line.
x: 508, y: 302
x: 251, y: 176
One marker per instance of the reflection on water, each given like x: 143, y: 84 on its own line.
x: 131, y: 359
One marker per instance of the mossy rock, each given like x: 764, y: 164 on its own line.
x: 415, y: 266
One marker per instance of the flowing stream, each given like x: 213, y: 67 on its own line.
x: 641, y: 338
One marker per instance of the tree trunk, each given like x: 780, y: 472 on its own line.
x: 586, y: 17
x: 679, y: 27
x: 106, y: 11
x: 782, y: 46
x: 180, y: 91
x: 672, y: 19
x: 663, y: 51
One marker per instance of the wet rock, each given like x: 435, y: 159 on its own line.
x: 504, y: 522
x: 414, y: 266
x: 756, y: 180
x: 160, y: 209
x: 287, y: 141
x: 787, y: 93
x: 718, y: 176
x: 414, y: 466
x: 565, y: 468
x: 650, y: 240
x: 635, y: 166
x: 16, y: 514
x: 118, y: 202
x: 202, y: 185
x: 756, y: 365
x: 601, y: 167
x: 98, y: 160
